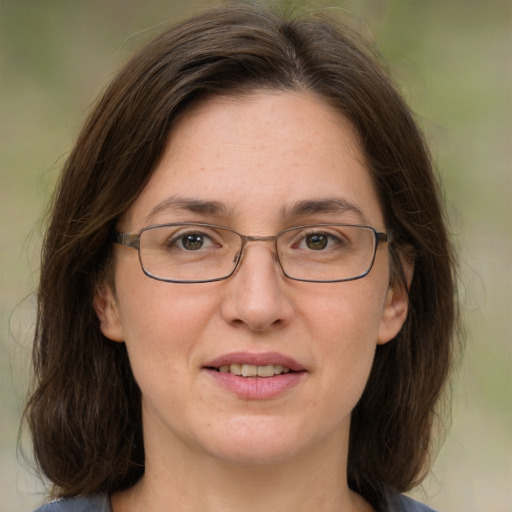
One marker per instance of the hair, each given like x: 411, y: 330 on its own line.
x: 84, y: 407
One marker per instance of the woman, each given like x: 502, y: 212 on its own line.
x: 247, y: 292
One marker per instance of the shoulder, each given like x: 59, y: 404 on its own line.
x: 401, y: 503
x: 96, y: 503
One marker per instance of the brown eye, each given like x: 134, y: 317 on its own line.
x: 192, y: 242
x: 317, y: 241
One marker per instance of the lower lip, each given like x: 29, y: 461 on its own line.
x: 257, y: 388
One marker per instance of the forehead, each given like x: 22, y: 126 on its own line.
x: 259, y: 156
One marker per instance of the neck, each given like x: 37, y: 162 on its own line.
x: 189, y: 481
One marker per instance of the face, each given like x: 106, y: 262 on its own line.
x: 246, y: 164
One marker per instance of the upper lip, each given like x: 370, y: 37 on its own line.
x: 262, y: 359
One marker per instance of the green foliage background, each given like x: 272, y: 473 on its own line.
x: 453, y: 61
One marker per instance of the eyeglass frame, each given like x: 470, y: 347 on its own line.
x: 132, y: 240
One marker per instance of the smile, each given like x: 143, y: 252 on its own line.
x: 256, y: 376
x: 252, y: 370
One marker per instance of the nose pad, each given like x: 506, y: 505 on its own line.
x: 256, y: 296
x: 236, y: 259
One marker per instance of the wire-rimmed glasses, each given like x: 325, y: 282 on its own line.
x: 199, y: 253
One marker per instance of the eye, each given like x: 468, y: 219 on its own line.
x: 319, y: 241
x: 192, y: 241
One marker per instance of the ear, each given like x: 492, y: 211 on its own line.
x: 104, y: 304
x: 395, y: 307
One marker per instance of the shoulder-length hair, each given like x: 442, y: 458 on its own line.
x: 84, y: 409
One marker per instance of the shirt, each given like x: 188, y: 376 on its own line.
x: 101, y: 503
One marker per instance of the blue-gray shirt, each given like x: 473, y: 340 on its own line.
x: 101, y: 503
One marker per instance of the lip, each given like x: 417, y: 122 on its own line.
x: 256, y: 388
x: 262, y: 359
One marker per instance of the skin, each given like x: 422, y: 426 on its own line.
x: 206, y: 448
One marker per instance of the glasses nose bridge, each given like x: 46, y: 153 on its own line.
x: 247, y: 239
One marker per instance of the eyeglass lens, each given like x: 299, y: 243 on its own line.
x: 197, y: 252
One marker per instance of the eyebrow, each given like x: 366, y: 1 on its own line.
x: 179, y: 204
x: 330, y: 205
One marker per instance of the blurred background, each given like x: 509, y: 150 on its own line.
x: 453, y: 61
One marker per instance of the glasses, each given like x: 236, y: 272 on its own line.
x: 199, y: 253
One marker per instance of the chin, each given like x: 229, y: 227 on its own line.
x: 257, y: 441
x: 253, y: 455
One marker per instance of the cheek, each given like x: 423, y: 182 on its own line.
x: 350, y: 311
x: 341, y: 322
x: 344, y: 325
x: 161, y: 324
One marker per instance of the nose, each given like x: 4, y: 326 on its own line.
x: 255, y: 295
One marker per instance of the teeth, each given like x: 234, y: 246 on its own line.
x: 235, y: 369
x: 265, y: 371
x: 251, y: 370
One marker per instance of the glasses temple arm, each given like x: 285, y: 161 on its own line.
x: 127, y: 239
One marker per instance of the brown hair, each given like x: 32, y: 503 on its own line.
x: 84, y: 407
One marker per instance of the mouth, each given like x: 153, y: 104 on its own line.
x: 252, y: 370
x: 253, y: 376
x: 250, y: 365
